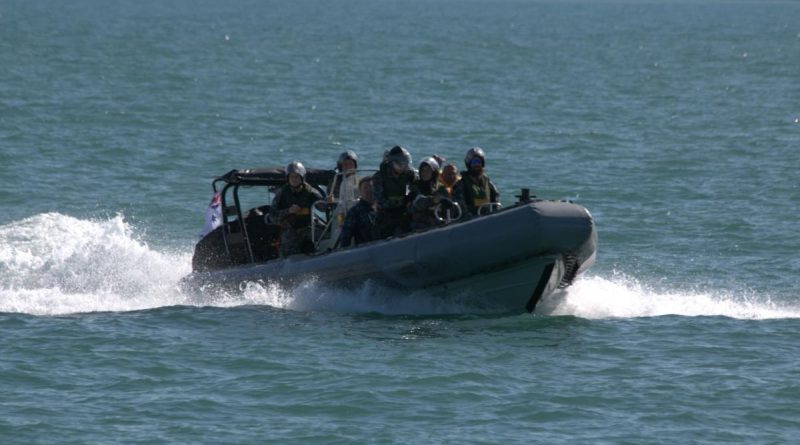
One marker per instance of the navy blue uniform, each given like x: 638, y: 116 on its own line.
x: 358, y: 224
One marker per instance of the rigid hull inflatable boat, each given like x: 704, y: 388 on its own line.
x: 504, y: 261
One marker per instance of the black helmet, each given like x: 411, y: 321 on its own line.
x: 296, y: 167
x: 472, y: 153
x: 399, y: 155
x: 349, y: 154
x: 430, y: 161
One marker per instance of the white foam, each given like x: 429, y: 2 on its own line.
x: 594, y: 297
x: 55, y: 264
x: 312, y: 295
x: 52, y: 264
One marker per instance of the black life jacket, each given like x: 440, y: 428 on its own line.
x: 303, y: 198
x: 395, y: 189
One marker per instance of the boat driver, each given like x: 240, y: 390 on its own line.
x: 475, y: 189
x: 291, y: 208
x: 391, y: 185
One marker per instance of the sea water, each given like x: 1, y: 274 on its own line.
x: 676, y: 123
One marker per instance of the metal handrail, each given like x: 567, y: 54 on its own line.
x: 491, y: 206
x: 448, y: 218
x: 314, y: 218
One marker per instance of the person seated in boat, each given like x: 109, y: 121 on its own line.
x: 441, y: 160
x: 291, y: 209
x: 448, y: 178
x: 474, y: 189
x: 427, y: 182
x: 359, y: 224
x: 391, y: 185
x: 346, y: 166
x: 426, y: 195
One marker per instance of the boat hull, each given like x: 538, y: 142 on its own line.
x: 504, y: 262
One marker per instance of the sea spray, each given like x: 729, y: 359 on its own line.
x: 621, y: 296
x: 54, y: 264
x: 313, y: 295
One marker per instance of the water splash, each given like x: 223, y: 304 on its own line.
x: 55, y: 264
x: 312, y: 295
x: 621, y: 296
x: 52, y: 264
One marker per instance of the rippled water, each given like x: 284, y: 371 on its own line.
x: 676, y: 123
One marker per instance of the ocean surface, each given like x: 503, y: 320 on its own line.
x: 676, y: 123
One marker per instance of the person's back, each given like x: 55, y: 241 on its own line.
x: 475, y: 189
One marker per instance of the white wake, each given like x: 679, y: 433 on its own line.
x: 619, y: 296
x: 56, y: 264
x: 53, y: 264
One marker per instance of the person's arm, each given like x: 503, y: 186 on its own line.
x: 333, y: 187
x: 494, y: 194
x: 459, y: 198
x: 413, y: 187
x: 377, y: 190
x: 422, y: 203
x: 275, y: 215
x: 317, y: 195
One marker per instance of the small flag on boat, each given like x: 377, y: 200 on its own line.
x: 213, y: 215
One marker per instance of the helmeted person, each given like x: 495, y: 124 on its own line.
x: 348, y: 160
x: 291, y: 208
x: 346, y: 166
x: 474, y: 189
x: 427, y: 181
x: 391, y: 185
x: 359, y: 224
x: 426, y: 195
x: 440, y: 160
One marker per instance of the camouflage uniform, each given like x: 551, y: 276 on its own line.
x: 471, y: 193
x: 391, y: 194
x: 426, y: 195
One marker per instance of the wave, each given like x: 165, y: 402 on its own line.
x: 313, y: 295
x: 56, y: 264
x: 620, y: 296
x: 53, y: 264
x: 591, y: 297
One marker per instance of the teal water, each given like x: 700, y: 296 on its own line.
x: 677, y: 123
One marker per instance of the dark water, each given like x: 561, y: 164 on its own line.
x: 676, y: 123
